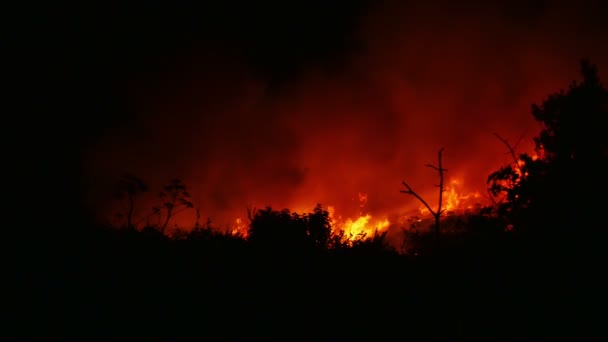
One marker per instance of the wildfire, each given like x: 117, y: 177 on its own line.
x: 521, y: 164
x: 517, y: 169
x: 360, y: 228
x: 239, y: 228
x: 454, y: 199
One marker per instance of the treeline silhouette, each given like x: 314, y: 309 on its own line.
x: 533, y: 265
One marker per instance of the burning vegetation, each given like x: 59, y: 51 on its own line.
x: 345, y: 231
x: 513, y: 191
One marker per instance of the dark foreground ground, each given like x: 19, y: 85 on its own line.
x: 113, y: 285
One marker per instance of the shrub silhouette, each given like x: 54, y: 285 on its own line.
x: 290, y: 231
x: 555, y: 188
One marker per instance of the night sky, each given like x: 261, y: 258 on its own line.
x: 293, y: 103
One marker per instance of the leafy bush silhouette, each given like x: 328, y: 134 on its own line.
x: 289, y: 230
x: 372, y: 246
x: 554, y: 189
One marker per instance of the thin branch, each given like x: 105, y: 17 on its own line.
x: 511, y: 149
x: 492, y: 199
x: 521, y: 137
x: 180, y: 210
x: 436, y: 168
x: 441, y: 188
x: 409, y: 191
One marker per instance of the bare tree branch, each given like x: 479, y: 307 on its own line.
x: 409, y: 191
x: 435, y: 168
x: 492, y: 199
x: 511, y: 149
x: 521, y: 137
x: 436, y: 213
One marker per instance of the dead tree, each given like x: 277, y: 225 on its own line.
x: 436, y: 213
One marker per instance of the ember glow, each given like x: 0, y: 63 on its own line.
x: 240, y: 228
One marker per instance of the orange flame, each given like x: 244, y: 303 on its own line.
x: 454, y: 199
x: 360, y: 228
x: 239, y: 228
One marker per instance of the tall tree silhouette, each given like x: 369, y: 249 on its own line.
x: 556, y: 187
x: 436, y: 213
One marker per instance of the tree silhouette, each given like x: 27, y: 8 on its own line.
x: 507, y: 180
x: 129, y: 187
x: 572, y: 121
x: 175, y: 199
x: 436, y: 214
x: 319, y: 227
x: 554, y: 186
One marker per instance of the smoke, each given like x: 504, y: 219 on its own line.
x: 425, y: 76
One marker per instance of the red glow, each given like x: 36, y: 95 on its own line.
x: 347, y: 139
